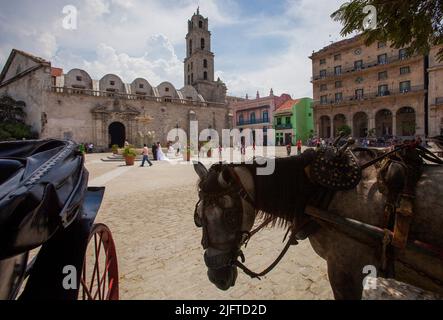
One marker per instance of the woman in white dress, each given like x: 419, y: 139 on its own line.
x: 160, y: 155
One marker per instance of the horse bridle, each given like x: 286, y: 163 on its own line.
x: 237, y: 192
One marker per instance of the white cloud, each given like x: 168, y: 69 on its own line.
x: 95, y: 8
x: 159, y: 63
x: 145, y: 38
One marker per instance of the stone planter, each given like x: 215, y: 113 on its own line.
x: 129, y: 160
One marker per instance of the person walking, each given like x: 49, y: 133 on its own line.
x: 288, y: 149
x: 145, y: 154
x: 154, y: 151
x: 299, y: 145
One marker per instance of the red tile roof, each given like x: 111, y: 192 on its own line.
x: 287, y: 106
x: 56, y: 72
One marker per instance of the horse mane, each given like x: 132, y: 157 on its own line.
x: 285, y: 193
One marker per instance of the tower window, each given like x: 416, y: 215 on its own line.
x: 192, y: 65
x: 112, y: 82
x: 190, y: 46
x: 167, y: 89
x: 200, y: 24
x: 205, y: 63
x: 189, y: 67
x: 192, y: 77
x: 202, y: 43
x: 205, y: 75
x: 189, y: 80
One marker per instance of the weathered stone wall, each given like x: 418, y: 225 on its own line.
x: 435, y: 91
x: 30, y: 89
x: 71, y: 116
x: 77, y: 78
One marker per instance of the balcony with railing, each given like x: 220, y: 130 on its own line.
x: 364, y: 66
x: 370, y: 95
x: 283, y: 126
x: 439, y: 101
x: 253, y: 121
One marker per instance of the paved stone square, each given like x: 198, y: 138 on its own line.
x: 150, y: 212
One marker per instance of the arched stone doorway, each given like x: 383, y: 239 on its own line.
x: 117, y: 134
x: 383, y: 123
x: 325, y: 127
x: 339, y: 121
x: 360, y: 128
x: 406, y: 122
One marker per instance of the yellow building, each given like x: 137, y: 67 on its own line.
x: 376, y: 90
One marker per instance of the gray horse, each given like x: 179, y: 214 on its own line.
x: 227, y: 219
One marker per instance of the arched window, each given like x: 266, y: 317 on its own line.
x: 205, y: 63
x: 189, y: 79
x: 202, y: 43
x: 200, y: 24
x: 190, y: 46
x: 205, y: 75
x: 192, y: 78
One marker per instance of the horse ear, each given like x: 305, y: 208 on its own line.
x: 200, y: 169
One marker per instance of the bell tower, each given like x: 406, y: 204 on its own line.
x: 199, y: 61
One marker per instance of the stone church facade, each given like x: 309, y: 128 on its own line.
x: 108, y: 111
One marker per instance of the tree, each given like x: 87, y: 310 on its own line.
x: 12, y: 115
x: 415, y: 24
x: 345, y: 129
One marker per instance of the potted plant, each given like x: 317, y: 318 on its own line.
x: 115, y: 149
x: 129, y: 154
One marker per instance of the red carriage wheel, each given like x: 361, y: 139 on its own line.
x: 99, y: 279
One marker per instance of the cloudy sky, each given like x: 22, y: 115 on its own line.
x: 259, y: 44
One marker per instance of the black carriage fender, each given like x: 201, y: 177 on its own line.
x: 66, y: 248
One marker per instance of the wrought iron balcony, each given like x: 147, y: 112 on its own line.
x: 283, y: 126
x: 372, y: 95
x: 364, y: 66
x: 254, y: 121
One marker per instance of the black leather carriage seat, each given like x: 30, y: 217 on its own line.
x: 8, y: 167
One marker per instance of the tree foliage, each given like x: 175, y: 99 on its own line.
x: 12, y: 120
x: 345, y: 129
x: 415, y: 24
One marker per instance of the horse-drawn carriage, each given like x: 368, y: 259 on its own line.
x: 48, y: 239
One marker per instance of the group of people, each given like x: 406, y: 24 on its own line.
x: 299, y: 145
x: 86, y: 147
x: 157, y: 154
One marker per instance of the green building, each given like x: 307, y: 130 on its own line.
x: 293, y: 121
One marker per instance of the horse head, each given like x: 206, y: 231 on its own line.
x: 226, y: 216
